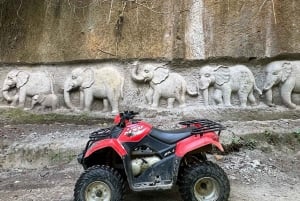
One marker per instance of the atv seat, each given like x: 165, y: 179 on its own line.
x: 171, y: 136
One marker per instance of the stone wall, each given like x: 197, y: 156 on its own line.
x: 56, y: 36
x: 135, y: 92
x: 50, y: 31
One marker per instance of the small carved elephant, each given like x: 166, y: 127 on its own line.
x: 285, y: 73
x: 227, y: 80
x: 171, y: 86
x: 45, y: 100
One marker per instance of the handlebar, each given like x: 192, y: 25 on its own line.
x: 126, y: 116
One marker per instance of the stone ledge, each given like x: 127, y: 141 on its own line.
x: 259, y: 113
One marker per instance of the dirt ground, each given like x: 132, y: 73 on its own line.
x: 263, y: 169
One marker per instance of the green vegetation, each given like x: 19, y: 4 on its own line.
x: 65, y: 156
x: 266, y: 142
x: 19, y: 116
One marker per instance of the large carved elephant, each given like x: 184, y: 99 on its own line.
x: 162, y: 83
x: 285, y: 73
x: 105, y: 83
x: 227, y: 80
x: 26, y: 84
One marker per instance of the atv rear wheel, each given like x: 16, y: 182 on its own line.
x: 99, y: 183
x: 204, y: 182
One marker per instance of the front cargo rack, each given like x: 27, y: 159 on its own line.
x: 205, y: 126
x: 100, y: 134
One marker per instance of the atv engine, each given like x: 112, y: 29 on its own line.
x: 139, y: 165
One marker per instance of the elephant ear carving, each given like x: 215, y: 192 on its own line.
x: 88, y: 78
x: 41, y: 98
x: 160, y: 74
x: 222, y: 74
x: 22, y: 78
x: 286, y: 71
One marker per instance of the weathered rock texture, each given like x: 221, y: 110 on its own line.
x: 38, y: 31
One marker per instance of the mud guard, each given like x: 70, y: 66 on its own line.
x: 112, y: 143
x: 197, y: 141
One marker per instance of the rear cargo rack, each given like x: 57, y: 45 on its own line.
x: 205, y: 126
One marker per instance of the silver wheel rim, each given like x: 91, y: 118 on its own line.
x: 97, y: 191
x: 206, y: 189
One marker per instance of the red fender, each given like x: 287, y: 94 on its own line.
x: 197, y: 141
x: 113, y: 143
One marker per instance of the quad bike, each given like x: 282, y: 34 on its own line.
x: 148, y: 158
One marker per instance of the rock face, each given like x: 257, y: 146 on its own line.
x: 49, y: 31
x: 176, y: 38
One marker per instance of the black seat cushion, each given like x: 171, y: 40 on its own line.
x: 171, y: 136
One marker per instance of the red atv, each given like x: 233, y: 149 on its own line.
x: 151, y: 159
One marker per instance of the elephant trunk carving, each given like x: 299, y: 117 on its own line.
x: 269, y: 97
x: 269, y: 83
x: 5, y: 95
x: 5, y: 90
x: 205, y: 96
x: 267, y: 90
x: 67, y: 89
x: 68, y: 100
x: 267, y: 87
x: 203, y: 85
x: 136, y: 76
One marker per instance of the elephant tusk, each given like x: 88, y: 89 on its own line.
x: 203, y: 88
x: 265, y: 89
x: 5, y: 89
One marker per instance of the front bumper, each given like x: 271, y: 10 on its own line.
x: 80, y: 158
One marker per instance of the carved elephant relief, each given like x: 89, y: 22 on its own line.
x: 45, y: 101
x: 227, y: 80
x: 26, y: 84
x: 286, y: 75
x: 162, y: 84
x: 105, y: 83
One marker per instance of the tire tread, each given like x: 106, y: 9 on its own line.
x: 203, y: 169
x: 105, y: 173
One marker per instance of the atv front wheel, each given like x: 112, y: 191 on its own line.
x: 204, y: 182
x: 99, y: 183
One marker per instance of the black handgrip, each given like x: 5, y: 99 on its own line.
x: 134, y: 113
x: 129, y: 114
x: 126, y: 115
